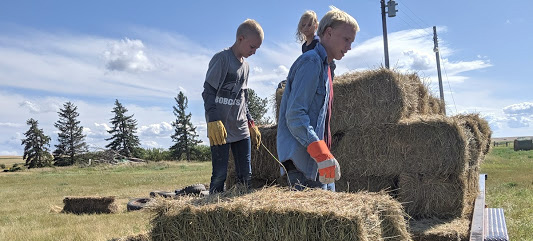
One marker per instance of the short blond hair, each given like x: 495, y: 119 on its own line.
x: 334, y: 18
x: 250, y: 26
x: 307, y: 16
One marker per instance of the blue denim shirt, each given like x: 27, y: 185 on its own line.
x: 303, y: 108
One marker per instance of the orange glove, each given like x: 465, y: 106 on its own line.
x: 255, y: 135
x: 328, y: 167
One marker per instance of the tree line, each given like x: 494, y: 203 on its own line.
x: 72, y: 145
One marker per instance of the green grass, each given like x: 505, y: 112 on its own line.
x: 33, y: 198
x: 510, y: 186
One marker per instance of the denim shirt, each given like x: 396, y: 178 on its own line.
x: 303, y: 108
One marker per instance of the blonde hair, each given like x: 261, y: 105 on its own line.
x: 334, y: 18
x: 308, y: 15
x: 250, y: 26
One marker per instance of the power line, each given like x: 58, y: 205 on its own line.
x: 423, y: 34
x: 414, y: 14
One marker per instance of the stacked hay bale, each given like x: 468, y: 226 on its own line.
x: 279, y: 214
x: 389, y: 133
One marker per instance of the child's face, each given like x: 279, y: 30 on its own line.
x: 248, y: 45
x: 339, y: 41
x: 308, y: 28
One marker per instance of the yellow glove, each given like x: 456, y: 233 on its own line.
x: 217, y: 133
x: 255, y: 135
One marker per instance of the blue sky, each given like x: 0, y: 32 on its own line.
x: 143, y: 53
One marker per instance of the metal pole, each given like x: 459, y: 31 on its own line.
x: 385, y: 41
x: 436, y: 50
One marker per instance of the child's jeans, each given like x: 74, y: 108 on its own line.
x: 219, y: 159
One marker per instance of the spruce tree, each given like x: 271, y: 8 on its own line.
x: 70, y: 137
x: 123, y: 139
x: 36, y: 146
x: 258, y: 108
x: 184, y: 135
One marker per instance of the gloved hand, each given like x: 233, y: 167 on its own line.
x: 217, y: 133
x: 255, y: 135
x: 328, y: 167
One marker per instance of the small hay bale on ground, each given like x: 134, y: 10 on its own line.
x: 440, y: 230
x: 428, y: 195
x: 90, y: 204
x: 279, y: 214
x: 375, y: 97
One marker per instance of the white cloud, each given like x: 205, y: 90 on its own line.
x: 11, y: 124
x: 162, y: 129
x: 127, y: 55
x: 524, y: 108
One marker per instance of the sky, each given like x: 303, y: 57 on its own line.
x: 144, y: 52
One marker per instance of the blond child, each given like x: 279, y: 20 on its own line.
x: 303, y: 136
x: 229, y: 123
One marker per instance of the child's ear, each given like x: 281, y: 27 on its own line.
x: 240, y: 38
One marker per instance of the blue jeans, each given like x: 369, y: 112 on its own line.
x: 300, y: 182
x: 219, y: 159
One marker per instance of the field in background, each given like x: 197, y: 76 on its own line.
x: 32, y: 198
x: 10, y: 160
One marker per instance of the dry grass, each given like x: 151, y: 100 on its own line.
x: 10, y: 160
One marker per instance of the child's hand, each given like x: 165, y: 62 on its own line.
x: 255, y: 135
x: 217, y: 133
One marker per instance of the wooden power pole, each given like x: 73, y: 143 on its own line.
x: 436, y: 50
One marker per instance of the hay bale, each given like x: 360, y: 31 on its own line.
x: 89, y: 205
x: 523, y: 144
x: 265, y: 169
x: 476, y: 142
x: 388, y: 184
x: 427, y: 195
x: 485, y: 130
x: 440, y: 230
x: 435, y: 106
x: 375, y: 97
x: 422, y: 144
x: 279, y: 214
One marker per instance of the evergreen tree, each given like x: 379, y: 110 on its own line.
x: 184, y: 135
x: 123, y: 139
x: 70, y: 137
x: 36, y: 146
x: 258, y: 108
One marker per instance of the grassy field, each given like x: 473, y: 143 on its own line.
x: 10, y: 160
x: 33, y: 198
x: 510, y: 186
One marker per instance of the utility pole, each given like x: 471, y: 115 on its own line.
x: 436, y: 50
x: 392, y: 12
